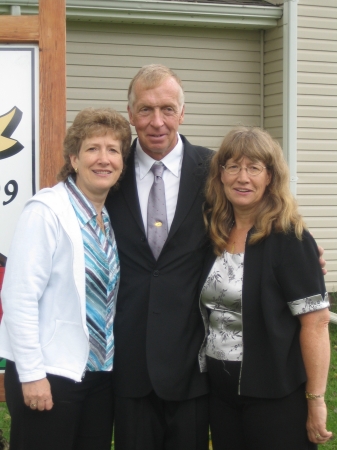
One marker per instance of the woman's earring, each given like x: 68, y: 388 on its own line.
x: 76, y: 169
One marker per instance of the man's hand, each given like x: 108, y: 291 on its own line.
x: 322, y: 260
x: 37, y: 394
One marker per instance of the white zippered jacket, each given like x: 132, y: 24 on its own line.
x: 43, y: 328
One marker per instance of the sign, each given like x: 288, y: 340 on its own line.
x: 19, y: 132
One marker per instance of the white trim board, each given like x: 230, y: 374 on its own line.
x: 160, y: 12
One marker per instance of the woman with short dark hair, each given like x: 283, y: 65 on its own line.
x: 59, y: 297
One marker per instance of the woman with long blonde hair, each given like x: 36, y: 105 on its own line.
x: 264, y: 304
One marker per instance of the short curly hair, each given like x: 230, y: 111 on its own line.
x: 94, y: 122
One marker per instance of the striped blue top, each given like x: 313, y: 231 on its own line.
x: 102, y: 274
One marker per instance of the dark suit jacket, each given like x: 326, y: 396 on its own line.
x: 158, y: 328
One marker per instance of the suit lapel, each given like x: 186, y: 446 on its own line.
x: 129, y: 189
x: 192, y: 174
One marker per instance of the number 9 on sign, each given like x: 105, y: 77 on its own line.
x: 11, y: 189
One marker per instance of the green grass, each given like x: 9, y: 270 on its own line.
x: 5, y: 420
x: 330, y: 397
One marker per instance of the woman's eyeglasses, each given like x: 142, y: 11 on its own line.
x: 252, y: 169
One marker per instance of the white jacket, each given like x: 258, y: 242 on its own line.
x: 44, y: 324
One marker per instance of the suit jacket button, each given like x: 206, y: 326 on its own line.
x: 156, y: 273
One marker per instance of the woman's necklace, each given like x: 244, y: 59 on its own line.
x: 100, y: 222
x: 231, y: 246
x: 233, y: 243
x: 237, y: 239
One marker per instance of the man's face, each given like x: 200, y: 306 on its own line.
x: 156, y: 114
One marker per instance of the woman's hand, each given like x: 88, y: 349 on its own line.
x: 37, y: 394
x: 316, y: 423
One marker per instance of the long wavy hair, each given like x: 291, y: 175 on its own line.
x: 277, y: 210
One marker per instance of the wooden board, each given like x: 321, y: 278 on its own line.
x: 52, y: 15
x: 19, y: 29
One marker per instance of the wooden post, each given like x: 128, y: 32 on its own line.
x: 52, y: 43
x: 48, y: 29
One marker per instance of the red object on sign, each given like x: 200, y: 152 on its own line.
x: 2, y: 273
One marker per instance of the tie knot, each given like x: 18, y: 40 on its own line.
x: 158, y: 169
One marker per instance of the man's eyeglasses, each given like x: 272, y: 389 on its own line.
x: 252, y: 169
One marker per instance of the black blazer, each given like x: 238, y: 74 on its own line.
x: 277, y: 270
x: 158, y: 328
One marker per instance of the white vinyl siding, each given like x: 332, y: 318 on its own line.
x: 220, y: 70
x: 273, y: 81
x: 317, y: 125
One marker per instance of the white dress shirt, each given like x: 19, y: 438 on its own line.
x: 171, y: 177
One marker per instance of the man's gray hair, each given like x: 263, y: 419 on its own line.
x: 151, y: 76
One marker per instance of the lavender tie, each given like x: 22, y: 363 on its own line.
x: 157, y: 228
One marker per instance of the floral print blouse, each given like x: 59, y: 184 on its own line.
x: 222, y: 296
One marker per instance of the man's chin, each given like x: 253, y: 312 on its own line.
x: 157, y: 151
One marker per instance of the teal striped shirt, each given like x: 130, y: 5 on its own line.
x: 102, y: 274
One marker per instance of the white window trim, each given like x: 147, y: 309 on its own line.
x: 207, y: 15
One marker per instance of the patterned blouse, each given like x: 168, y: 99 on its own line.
x: 222, y: 296
x: 102, y: 274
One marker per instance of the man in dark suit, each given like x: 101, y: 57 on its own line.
x: 161, y: 393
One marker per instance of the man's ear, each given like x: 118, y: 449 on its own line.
x: 130, y: 115
x: 182, y: 115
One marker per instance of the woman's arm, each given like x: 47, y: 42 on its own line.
x: 37, y: 394
x: 315, y: 346
x: 28, y: 270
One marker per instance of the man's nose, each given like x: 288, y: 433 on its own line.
x: 157, y: 118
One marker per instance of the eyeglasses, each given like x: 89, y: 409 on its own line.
x: 252, y: 169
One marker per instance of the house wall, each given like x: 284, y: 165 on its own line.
x: 317, y: 125
x: 220, y: 70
